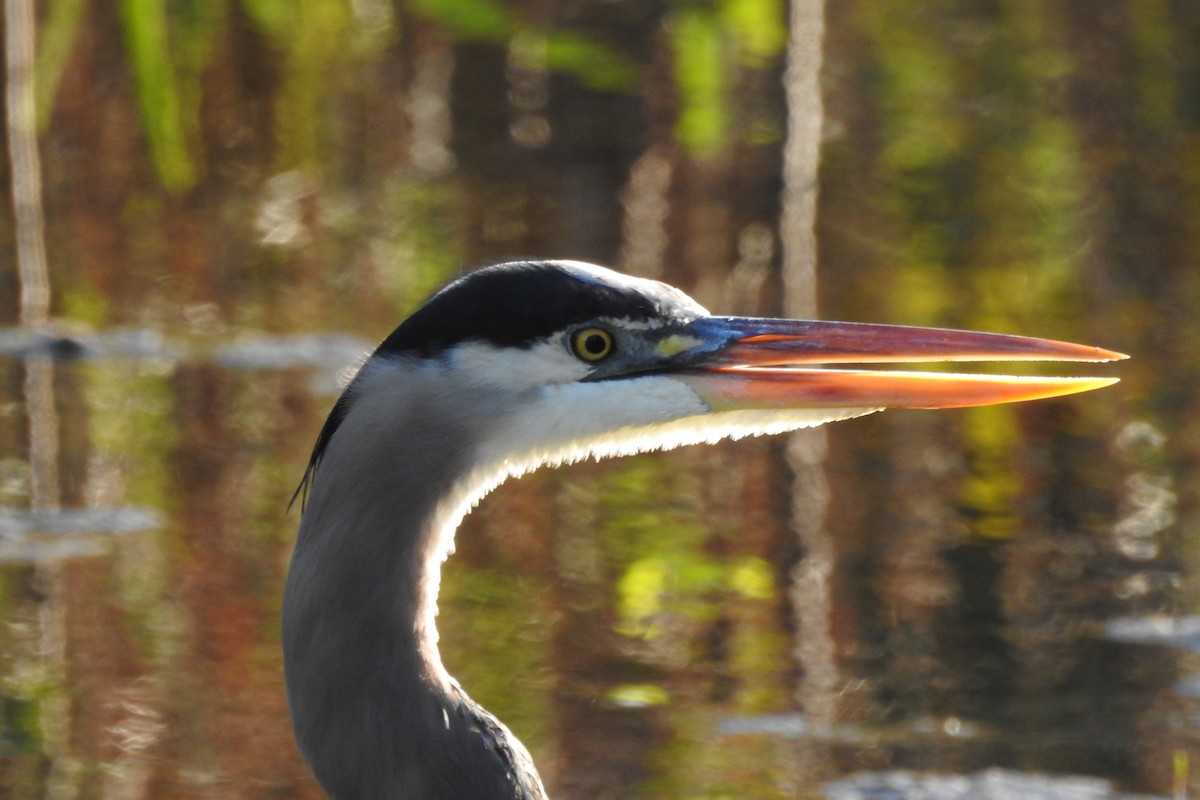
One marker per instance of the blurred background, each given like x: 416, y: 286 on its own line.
x: 214, y: 207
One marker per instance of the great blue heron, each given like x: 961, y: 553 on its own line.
x: 506, y: 369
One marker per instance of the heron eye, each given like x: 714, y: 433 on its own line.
x: 592, y: 344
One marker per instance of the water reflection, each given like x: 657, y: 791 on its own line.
x: 994, y: 784
x: 47, y: 536
x: 238, y: 201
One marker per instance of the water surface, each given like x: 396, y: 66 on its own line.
x: 240, y: 198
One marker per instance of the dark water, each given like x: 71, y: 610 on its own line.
x: 239, y: 198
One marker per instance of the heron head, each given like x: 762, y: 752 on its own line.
x: 562, y: 360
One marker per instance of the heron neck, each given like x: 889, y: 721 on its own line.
x: 378, y: 523
x: 374, y: 711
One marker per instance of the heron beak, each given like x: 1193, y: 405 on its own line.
x: 742, y: 362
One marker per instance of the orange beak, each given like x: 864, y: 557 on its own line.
x: 743, y: 362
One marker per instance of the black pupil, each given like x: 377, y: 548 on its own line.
x: 595, y: 344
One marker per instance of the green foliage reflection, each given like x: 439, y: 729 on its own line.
x: 62, y: 23
x: 470, y: 19
x: 982, y: 166
x: 166, y: 61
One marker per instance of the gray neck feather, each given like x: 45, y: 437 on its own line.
x: 375, y: 714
